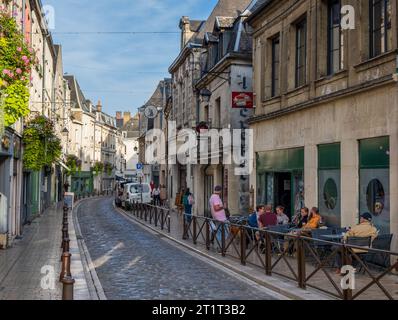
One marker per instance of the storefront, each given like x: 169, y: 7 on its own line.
x: 82, y: 183
x: 280, y: 179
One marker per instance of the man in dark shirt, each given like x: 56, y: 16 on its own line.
x: 268, y: 219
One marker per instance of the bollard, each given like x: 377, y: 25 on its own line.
x: 65, y: 272
x: 67, y: 288
x: 66, y: 245
x: 65, y: 234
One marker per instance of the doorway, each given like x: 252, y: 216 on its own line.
x: 283, y: 191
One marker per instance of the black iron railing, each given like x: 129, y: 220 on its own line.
x: 307, y: 261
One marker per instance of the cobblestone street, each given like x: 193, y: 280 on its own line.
x: 133, y: 263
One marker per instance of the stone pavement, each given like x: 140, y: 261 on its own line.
x: 254, y: 270
x: 134, y: 263
x: 21, y: 265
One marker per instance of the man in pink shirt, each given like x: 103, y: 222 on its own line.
x: 216, y: 205
x: 218, y: 212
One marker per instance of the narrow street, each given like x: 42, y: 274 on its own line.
x: 132, y: 263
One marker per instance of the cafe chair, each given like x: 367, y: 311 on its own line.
x: 379, y: 259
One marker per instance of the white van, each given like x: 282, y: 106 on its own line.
x: 132, y: 193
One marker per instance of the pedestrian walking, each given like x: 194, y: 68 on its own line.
x: 218, y: 214
x: 188, y: 202
x: 156, y: 196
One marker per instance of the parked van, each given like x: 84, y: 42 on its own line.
x: 132, y: 193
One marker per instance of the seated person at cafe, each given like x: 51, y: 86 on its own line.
x: 254, y: 218
x: 364, y: 229
x: 299, y: 223
x: 268, y: 219
x: 282, y: 218
x: 314, y: 219
x: 302, y: 219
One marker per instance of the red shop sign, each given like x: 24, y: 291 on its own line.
x: 242, y: 100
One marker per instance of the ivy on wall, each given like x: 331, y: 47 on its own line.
x: 42, y: 146
x: 108, y: 168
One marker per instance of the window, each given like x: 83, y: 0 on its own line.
x: 380, y: 26
x: 335, y: 37
x: 374, y: 179
x: 225, y: 39
x: 301, y: 52
x: 275, y: 66
x: 329, y: 183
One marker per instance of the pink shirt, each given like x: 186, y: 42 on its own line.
x: 216, y: 200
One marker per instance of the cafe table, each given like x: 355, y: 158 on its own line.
x: 333, y: 237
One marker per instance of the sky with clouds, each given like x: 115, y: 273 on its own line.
x: 121, y: 70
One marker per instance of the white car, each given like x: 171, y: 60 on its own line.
x: 136, y: 192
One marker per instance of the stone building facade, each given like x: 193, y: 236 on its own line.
x: 186, y: 71
x: 325, y: 122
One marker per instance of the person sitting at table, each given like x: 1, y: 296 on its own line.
x: 364, y: 229
x: 314, y: 220
x: 268, y: 219
x: 254, y: 220
x: 302, y: 219
x: 282, y: 218
x: 299, y: 224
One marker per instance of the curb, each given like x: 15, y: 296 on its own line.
x: 267, y: 284
x: 93, y: 282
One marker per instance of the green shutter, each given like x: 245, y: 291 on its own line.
x: 374, y: 153
x: 281, y: 160
x: 329, y: 156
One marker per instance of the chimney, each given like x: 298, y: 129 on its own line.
x: 99, y: 106
x: 185, y: 31
x: 126, y: 117
x: 118, y: 115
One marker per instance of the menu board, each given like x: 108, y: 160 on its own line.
x: 69, y: 199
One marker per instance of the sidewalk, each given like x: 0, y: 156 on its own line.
x: 21, y: 265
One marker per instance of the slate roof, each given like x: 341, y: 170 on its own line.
x: 77, y: 95
x: 132, y: 127
x: 196, y: 25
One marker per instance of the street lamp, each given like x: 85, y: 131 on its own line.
x: 206, y: 95
x: 65, y: 132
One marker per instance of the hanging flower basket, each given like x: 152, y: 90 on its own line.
x: 16, y: 62
x: 42, y: 146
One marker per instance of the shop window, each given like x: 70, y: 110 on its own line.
x: 330, y: 194
x: 374, y: 176
x: 375, y: 197
x: 329, y: 183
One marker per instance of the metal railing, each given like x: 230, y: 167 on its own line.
x: 158, y: 216
x: 307, y: 261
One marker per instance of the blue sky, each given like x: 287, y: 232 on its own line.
x: 121, y: 70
